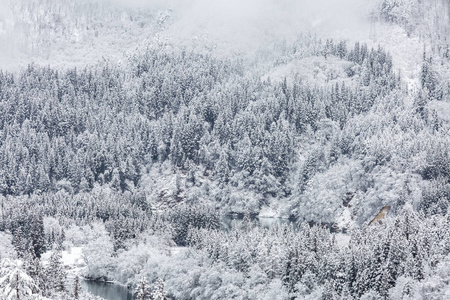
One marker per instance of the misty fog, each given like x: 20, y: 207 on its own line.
x: 227, y: 26
x: 244, y: 24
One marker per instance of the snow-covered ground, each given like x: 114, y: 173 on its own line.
x: 313, y: 70
x: 277, y: 208
x: 345, y: 221
x: 442, y: 109
x: 342, y: 239
x: 72, y: 260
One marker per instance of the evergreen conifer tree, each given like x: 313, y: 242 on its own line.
x: 14, y: 282
x: 19, y: 243
x: 158, y: 292
x: 37, y: 235
x: 56, y: 275
x: 143, y: 289
x: 76, y: 287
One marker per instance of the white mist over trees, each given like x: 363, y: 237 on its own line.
x: 130, y: 132
x: 65, y: 31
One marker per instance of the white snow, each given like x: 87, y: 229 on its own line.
x: 316, y: 70
x: 274, y: 209
x: 268, y: 212
x: 72, y: 260
x: 345, y: 220
x: 342, y: 239
x: 73, y: 257
x: 175, y: 250
x: 442, y: 108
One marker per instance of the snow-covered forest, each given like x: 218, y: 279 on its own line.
x: 130, y: 133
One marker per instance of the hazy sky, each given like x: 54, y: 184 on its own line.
x: 247, y: 23
x: 235, y: 25
x: 250, y: 21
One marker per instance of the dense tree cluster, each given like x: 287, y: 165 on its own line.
x: 137, y: 162
x: 107, y: 124
x: 310, y: 261
x: 186, y: 218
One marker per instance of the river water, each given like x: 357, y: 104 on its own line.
x: 230, y: 221
x: 109, y: 291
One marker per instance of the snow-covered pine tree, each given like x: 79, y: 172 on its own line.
x: 19, y: 243
x: 37, y: 235
x: 292, y: 271
x: 14, y: 282
x: 143, y: 289
x: 76, y: 287
x: 56, y: 275
x: 33, y: 268
x: 158, y: 292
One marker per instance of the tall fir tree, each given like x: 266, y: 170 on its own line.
x: 55, y: 273
x: 76, y: 287
x: 158, y: 292
x: 37, y: 235
x: 143, y: 289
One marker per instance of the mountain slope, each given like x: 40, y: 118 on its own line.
x: 295, y: 125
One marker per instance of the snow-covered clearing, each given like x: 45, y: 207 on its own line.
x: 72, y: 260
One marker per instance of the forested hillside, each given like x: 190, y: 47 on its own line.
x: 136, y: 155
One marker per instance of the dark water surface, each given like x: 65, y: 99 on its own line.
x: 109, y: 291
x: 229, y: 221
